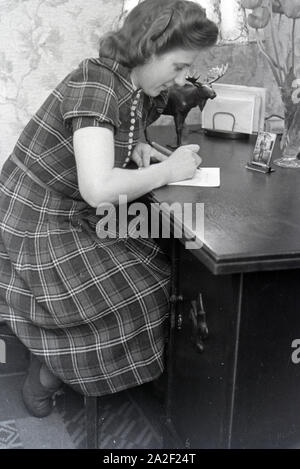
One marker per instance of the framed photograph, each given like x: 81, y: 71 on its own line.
x: 263, y: 149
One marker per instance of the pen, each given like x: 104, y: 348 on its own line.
x: 163, y: 150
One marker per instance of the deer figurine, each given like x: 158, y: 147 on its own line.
x: 182, y: 99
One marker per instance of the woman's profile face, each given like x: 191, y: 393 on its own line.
x: 163, y: 71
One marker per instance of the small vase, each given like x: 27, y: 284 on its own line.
x: 290, y: 145
x: 290, y: 141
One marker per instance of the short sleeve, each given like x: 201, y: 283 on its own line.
x: 89, y: 93
x: 80, y: 122
x: 154, y: 107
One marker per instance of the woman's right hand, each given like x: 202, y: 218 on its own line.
x: 183, y: 162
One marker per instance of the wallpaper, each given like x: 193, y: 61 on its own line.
x: 43, y: 40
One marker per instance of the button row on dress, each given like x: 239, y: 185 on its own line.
x: 131, y: 128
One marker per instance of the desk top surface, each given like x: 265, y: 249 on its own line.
x: 252, y: 221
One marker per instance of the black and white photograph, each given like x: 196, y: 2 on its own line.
x: 149, y: 281
x: 263, y: 148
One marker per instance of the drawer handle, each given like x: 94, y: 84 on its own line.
x: 199, y: 329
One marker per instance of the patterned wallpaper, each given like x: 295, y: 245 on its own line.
x: 40, y: 42
x: 43, y: 40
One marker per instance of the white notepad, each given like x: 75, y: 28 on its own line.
x: 204, y: 177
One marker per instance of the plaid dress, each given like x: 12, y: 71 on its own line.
x: 92, y: 309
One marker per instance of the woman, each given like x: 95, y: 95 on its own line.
x: 92, y: 310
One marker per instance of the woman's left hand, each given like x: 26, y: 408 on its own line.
x: 143, y: 154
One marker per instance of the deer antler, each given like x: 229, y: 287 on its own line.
x: 216, y: 73
x: 213, y: 75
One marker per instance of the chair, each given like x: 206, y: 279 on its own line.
x: 91, y: 421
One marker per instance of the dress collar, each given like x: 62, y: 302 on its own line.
x: 123, y: 73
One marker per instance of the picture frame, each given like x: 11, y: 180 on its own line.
x: 262, y: 153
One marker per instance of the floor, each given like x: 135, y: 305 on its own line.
x: 128, y: 420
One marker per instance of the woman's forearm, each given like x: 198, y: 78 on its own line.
x: 132, y: 183
x: 100, y: 182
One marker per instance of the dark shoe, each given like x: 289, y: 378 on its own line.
x: 37, y: 398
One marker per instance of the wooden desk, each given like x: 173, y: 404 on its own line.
x: 243, y: 390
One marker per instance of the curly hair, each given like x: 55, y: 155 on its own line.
x: 155, y: 27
